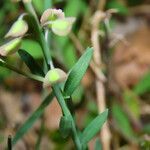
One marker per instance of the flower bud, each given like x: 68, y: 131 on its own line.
x: 54, y: 76
x: 18, y: 29
x: 10, y: 47
x: 62, y: 27
x: 51, y: 15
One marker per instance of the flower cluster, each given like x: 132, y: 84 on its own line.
x: 53, y: 19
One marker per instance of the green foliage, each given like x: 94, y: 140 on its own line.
x: 132, y: 102
x: 122, y: 10
x: 39, y: 5
x: 77, y: 72
x: 31, y: 63
x: 122, y: 121
x: 31, y: 51
x: 31, y: 120
x: 98, y: 145
x: 65, y: 126
x: 75, y: 7
x: 144, y: 85
x: 93, y: 128
x: 32, y: 47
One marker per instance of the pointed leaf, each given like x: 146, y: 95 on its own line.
x: 122, y: 121
x: 65, y: 126
x: 98, y: 145
x: 30, y: 62
x: 93, y: 128
x: 144, y: 85
x: 77, y: 72
x: 31, y: 120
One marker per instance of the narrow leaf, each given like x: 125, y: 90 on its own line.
x: 31, y: 120
x: 93, y: 128
x: 98, y: 145
x: 144, y: 85
x: 77, y: 72
x: 65, y: 126
x: 122, y: 121
x: 30, y: 62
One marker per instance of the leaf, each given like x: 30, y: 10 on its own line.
x: 32, y: 47
x: 122, y: 9
x: 65, y: 126
x: 71, y: 8
x: 93, y: 128
x: 144, y: 85
x: 132, y: 102
x: 77, y: 72
x: 122, y: 121
x: 31, y: 120
x: 98, y: 145
x: 38, y: 5
x: 30, y: 62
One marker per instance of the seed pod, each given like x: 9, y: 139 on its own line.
x: 10, y: 47
x: 62, y: 27
x: 54, y: 76
x: 51, y: 15
x: 18, y: 29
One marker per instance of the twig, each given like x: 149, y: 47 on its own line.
x: 101, y: 4
x: 100, y: 89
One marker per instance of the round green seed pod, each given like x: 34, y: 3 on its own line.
x: 54, y: 76
x: 18, y: 29
x: 63, y: 26
x: 10, y: 47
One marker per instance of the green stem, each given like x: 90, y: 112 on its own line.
x: 44, y: 44
x: 45, y: 48
x: 66, y: 112
x: 37, y: 146
x: 28, y: 75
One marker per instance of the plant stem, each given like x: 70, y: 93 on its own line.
x: 28, y: 75
x: 66, y: 112
x: 44, y: 44
x: 105, y: 135
x: 45, y: 48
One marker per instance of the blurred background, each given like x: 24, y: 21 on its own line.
x: 124, y: 38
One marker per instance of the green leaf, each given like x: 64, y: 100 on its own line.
x: 122, y: 9
x: 75, y: 7
x: 65, y: 126
x: 38, y: 5
x: 93, y: 128
x: 132, y: 102
x: 144, y: 85
x: 122, y: 121
x: 30, y: 62
x: 77, y: 72
x: 32, y: 47
x: 31, y: 120
x: 98, y: 145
